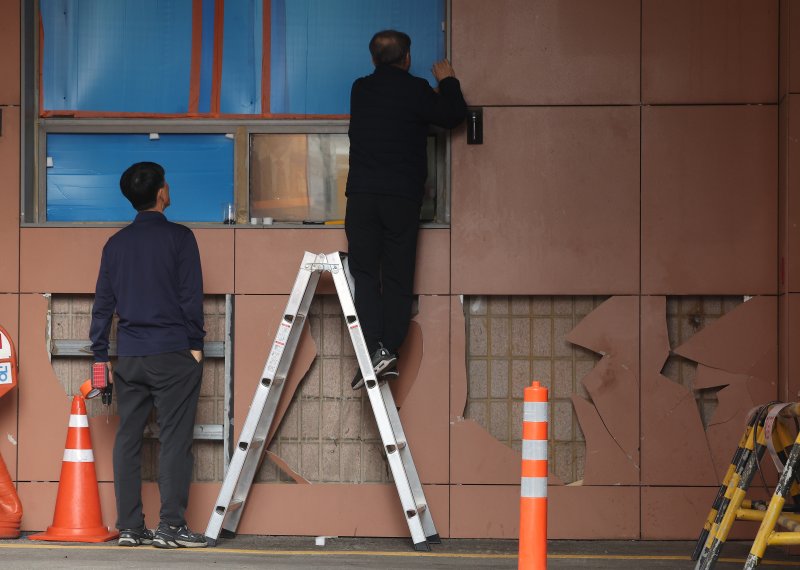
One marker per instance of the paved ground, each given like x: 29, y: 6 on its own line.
x: 351, y: 553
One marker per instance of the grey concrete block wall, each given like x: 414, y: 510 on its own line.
x: 513, y: 340
x: 328, y: 434
x: 70, y: 317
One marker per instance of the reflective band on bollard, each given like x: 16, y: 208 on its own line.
x: 533, y: 490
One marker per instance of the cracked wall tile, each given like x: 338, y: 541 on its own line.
x: 606, y: 462
x: 738, y: 341
x: 674, y: 447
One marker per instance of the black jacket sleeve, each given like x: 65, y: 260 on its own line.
x: 446, y: 108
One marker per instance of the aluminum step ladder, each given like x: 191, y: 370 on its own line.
x: 249, y: 450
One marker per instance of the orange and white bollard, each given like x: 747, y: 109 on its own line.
x: 533, y: 495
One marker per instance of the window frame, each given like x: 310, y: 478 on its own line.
x: 34, y: 130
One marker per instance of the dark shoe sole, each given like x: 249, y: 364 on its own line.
x: 386, y: 369
x: 130, y: 541
x: 385, y: 366
x: 171, y: 544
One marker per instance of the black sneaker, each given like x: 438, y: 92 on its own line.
x: 390, y: 373
x: 383, y: 362
x: 135, y: 536
x: 168, y: 536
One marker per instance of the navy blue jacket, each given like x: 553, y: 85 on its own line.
x: 390, y: 112
x: 150, y: 273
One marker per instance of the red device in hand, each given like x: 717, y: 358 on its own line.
x: 100, y: 382
x: 99, y: 375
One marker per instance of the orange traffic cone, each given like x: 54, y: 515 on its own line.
x: 77, y: 517
x: 10, y: 506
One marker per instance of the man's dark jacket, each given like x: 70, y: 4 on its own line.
x: 150, y: 273
x: 390, y: 111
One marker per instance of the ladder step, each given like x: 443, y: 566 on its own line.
x: 234, y: 506
x: 277, y: 381
x: 421, y: 508
x: 256, y: 444
x: 392, y: 447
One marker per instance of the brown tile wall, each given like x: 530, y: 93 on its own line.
x: 631, y: 147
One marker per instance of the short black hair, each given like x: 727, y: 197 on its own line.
x: 140, y: 184
x: 389, y: 47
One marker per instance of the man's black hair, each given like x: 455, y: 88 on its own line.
x: 389, y: 47
x: 140, y: 184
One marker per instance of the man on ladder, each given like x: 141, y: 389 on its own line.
x: 390, y: 112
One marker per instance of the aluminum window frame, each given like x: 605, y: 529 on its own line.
x: 34, y: 130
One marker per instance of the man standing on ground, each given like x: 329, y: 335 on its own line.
x: 150, y: 273
x: 390, y: 112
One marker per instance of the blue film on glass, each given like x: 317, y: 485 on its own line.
x: 117, y: 56
x: 83, y: 181
x: 319, y: 47
x: 240, y: 91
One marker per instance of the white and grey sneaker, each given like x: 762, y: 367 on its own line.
x: 168, y: 536
x: 135, y: 536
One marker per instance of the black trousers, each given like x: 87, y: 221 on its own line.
x: 171, y: 383
x: 382, y: 251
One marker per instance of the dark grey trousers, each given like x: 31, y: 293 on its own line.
x: 171, y: 383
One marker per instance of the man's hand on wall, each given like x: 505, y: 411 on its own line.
x: 442, y: 69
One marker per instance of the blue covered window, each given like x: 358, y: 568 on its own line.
x: 318, y: 47
x: 84, y: 169
x: 116, y: 56
x: 159, y: 60
x: 252, y: 57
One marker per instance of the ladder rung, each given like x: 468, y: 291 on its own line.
x: 233, y: 506
x: 277, y: 381
x: 392, y: 447
x: 253, y: 445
